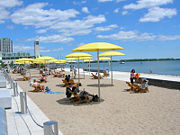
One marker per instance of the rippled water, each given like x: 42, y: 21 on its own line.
x: 169, y: 67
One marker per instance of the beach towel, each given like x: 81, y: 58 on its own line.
x: 48, y: 91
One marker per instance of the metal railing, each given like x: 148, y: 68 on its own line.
x: 50, y: 127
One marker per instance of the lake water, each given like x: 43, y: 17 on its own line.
x: 169, y: 67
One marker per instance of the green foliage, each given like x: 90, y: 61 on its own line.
x: 2, y: 64
x: 12, y: 63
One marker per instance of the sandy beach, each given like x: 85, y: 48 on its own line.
x: 120, y: 112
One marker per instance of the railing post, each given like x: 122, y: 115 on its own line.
x: 3, y: 122
x: 23, y: 101
x: 15, y: 89
x: 50, y: 128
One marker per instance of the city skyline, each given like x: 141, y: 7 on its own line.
x: 144, y: 28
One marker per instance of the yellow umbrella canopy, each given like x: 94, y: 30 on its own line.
x: 112, y: 53
x: 104, y: 58
x: 98, y: 46
x: 101, y: 46
x: 37, y: 61
x: 78, y: 55
x: 70, y: 61
x: 45, y: 58
x: 60, y: 61
x: 87, y: 60
x: 24, y: 59
x: 16, y: 62
x: 52, y: 61
x: 80, y: 58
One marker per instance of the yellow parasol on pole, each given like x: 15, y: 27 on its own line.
x: 112, y: 53
x: 98, y: 46
x: 78, y: 55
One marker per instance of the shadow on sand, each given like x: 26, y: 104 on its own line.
x: 101, y: 85
x: 65, y: 101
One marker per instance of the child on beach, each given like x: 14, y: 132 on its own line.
x: 132, y: 76
x: 144, y: 83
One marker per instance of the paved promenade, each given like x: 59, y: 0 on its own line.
x: 22, y: 124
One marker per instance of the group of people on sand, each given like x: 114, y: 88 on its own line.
x: 135, y: 77
x: 82, y: 94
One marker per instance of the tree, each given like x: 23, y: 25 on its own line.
x: 2, y: 64
x: 12, y: 63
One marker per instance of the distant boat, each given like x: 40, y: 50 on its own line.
x: 122, y: 62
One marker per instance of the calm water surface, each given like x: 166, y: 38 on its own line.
x: 171, y: 67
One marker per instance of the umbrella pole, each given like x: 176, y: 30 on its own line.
x: 71, y: 69
x: 78, y: 73
x: 98, y: 76
x: 111, y: 72
x: 89, y: 67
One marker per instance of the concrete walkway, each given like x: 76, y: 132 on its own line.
x: 22, y: 124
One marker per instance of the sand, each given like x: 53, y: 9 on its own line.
x: 120, y: 112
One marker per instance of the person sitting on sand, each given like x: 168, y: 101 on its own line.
x: 144, y: 83
x: 67, y: 78
x: 43, y: 78
x: 36, y: 85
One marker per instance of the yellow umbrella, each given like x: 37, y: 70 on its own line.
x: 87, y: 60
x: 45, y: 58
x: 71, y: 61
x: 111, y: 53
x: 78, y: 55
x: 52, y: 61
x: 98, y: 46
x: 16, y: 62
x: 60, y: 61
x: 104, y: 58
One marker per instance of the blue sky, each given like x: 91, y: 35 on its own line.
x: 144, y: 28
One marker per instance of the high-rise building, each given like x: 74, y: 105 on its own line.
x: 36, y: 49
x: 6, y: 45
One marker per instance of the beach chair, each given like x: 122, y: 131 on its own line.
x: 105, y: 74
x: 76, y: 99
x: 132, y: 88
x: 25, y: 78
x: 95, y: 76
x: 138, y: 88
x: 71, y: 81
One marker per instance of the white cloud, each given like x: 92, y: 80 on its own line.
x: 52, y: 39
x: 129, y: 35
x: 124, y: 12
x: 10, y: 27
x: 165, y: 38
x: 116, y: 10
x: 22, y: 48
x: 110, y: 0
x: 79, y: 2
x: 156, y: 14
x: 85, y: 25
x: 147, y: 4
x: 85, y: 10
x: 7, y: 4
x: 106, y: 28
x: 10, y: 3
x: 52, y: 50
x: 104, y: 0
x: 136, y: 36
x: 41, y: 31
x: 35, y: 15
